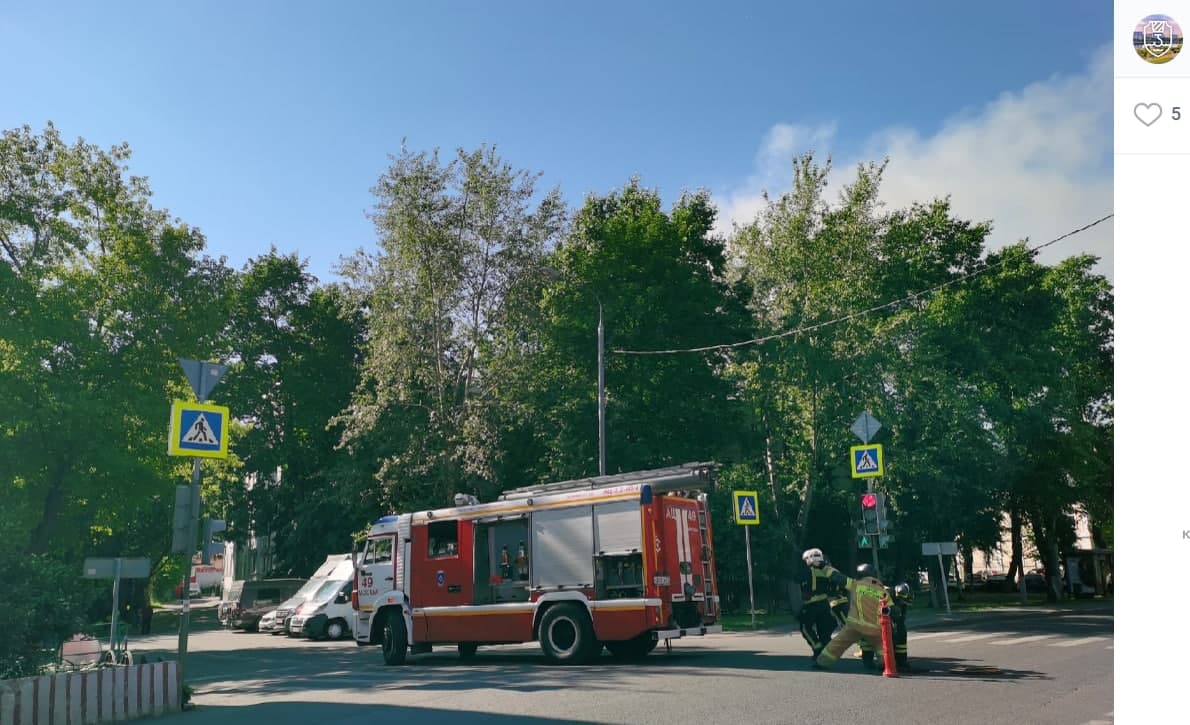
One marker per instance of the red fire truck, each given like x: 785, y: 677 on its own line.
x: 622, y: 561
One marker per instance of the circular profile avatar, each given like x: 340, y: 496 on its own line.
x: 1157, y: 39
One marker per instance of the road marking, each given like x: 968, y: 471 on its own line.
x: 1022, y: 640
x: 973, y: 637
x: 927, y: 635
x: 1077, y: 642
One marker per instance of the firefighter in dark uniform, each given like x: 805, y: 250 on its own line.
x: 819, y: 583
x: 898, y: 599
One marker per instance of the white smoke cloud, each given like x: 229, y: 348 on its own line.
x: 1036, y: 163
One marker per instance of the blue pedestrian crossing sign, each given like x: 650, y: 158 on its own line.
x: 198, y: 429
x: 746, y: 511
x: 867, y: 461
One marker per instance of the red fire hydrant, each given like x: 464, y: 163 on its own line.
x: 886, y: 639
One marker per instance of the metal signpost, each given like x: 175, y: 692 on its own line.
x: 747, y: 514
x: 116, y: 569
x: 867, y: 462
x: 939, y: 548
x: 200, y: 431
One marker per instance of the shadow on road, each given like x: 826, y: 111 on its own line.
x: 301, y: 713
x: 511, y: 671
x: 948, y: 668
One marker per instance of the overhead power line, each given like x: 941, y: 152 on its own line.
x: 868, y: 311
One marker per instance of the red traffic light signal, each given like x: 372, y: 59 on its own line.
x: 868, y: 500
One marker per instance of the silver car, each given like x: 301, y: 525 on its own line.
x: 269, y: 622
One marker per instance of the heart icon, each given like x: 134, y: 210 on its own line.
x: 1147, y: 113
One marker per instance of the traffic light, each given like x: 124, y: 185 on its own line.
x: 209, y: 548
x: 882, y: 514
x: 868, y: 505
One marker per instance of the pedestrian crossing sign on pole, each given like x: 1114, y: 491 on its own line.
x: 746, y: 511
x: 867, y: 460
x: 198, y: 429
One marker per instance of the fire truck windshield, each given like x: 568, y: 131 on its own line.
x: 378, y: 550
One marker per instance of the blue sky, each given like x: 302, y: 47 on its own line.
x: 268, y: 122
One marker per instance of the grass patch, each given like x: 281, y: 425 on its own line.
x: 764, y: 620
x: 165, y: 621
x: 984, y: 601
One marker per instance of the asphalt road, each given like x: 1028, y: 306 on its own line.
x: 1052, y: 666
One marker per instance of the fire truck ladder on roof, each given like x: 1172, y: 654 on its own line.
x: 673, y: 478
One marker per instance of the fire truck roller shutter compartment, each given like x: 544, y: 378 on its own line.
x: 617, y: 528
x: 563, y: 547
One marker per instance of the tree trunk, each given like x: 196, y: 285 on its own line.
x: 803, y: 515
x: 39, y: 542
x: 1017, y: 567
x: 768, y: 462
x: 1046, y: 538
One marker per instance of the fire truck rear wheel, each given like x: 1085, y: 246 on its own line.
x: 393, y: 638
x: 467, y: 650
x: 567, y: 636
x: 632, y: 649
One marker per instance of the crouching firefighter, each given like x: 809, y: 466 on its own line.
x: 818, y: 584
x: 898, y: 600
x: 863, y: 620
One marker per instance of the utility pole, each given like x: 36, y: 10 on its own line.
x: 602, y: 402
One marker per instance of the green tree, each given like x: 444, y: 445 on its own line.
x: 813, y: 268
x: 297, y: 351
x: 991, y: 372
x: 455, y: 240
x: 103, y: 293
x: 661, y: 281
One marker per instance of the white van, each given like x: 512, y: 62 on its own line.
x: 291, y: 605
x: 328, y: 613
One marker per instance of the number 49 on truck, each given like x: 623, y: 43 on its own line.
x: 622, y: 561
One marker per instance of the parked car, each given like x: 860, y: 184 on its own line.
x: 336, y: 565
x: 328, y: 614
x: 268, y: 623
x: 248, y: 601
x: 1035, y: 582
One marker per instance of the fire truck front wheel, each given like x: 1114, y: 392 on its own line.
x: 567, y: 636
x: 393, y: 638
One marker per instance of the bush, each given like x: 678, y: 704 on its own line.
x: 42, y: 602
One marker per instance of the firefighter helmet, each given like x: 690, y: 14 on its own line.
x: 813, y: 557
x: 865, y: 570
x: 902, y: 590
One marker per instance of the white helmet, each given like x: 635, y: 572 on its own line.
x: 813, y: 557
